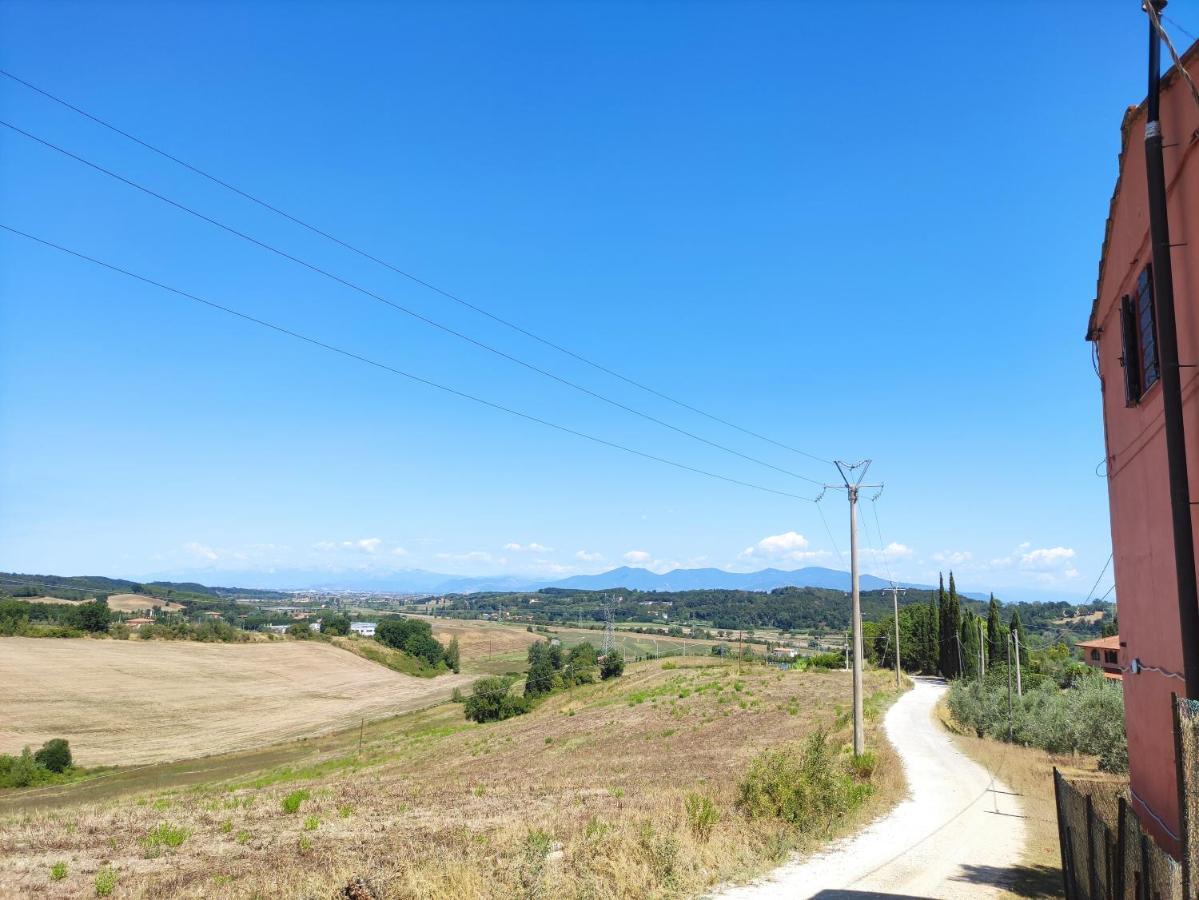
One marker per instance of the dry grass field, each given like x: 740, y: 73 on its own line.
x: 133, y: 702
x: 585, y: 797
x: 119, y: 602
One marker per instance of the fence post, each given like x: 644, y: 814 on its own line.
x: 1092, y: 874
x: 1063, y: 840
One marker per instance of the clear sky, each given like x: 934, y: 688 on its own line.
x: 864, y: 230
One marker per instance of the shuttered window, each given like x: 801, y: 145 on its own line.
x: 1138, y: 325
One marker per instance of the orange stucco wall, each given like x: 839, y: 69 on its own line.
x: 1138, y: 485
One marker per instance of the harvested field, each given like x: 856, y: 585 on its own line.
x: 138, y: 602
x: 133, y: 702
x: 586, y: 796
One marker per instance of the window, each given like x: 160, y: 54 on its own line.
x: 1109, y: 656
x: 1138, y: 322
x: 1095, y: 655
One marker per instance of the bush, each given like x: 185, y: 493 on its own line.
x: 93, y: 617
x: 701, y: 815
x: 55, y: 755
x: 612, y: 665
x: 490, y: 701
x: 165, y: 836
x: 106, y: 881
x: 293, y: 801
x: 58, y: 871
x: 20, y: 771
x: 806, y: 789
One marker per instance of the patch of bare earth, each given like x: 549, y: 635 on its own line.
x: 135, y: 702
x: 582, y: 798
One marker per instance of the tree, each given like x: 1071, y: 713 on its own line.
x: 969, y: 644
x: 413, y: 636
x: 335, y: 624
x: 581, y: 664
x: 94, y: 616
x: 55, y: 755
x: 453, y: 655
x: 612, y: 665
x: 995, y: 648
x: 490, y: 701
x: 299, y: 630
x: 540, y: 680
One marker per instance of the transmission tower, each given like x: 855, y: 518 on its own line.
x: 609, y: 629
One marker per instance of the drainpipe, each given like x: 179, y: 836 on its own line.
x: 1167, y: 342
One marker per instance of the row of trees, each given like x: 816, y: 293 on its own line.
x: 944, y: 636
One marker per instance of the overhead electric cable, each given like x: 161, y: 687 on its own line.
x: 401, y: 308
x: 387, y: 368
x: 413, y: 278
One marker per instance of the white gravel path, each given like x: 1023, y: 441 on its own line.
x: 951, y: 838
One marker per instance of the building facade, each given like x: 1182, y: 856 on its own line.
x: 1122, y: 329
x: 1103, y: 654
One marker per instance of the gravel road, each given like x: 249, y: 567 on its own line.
x: 955, y: 836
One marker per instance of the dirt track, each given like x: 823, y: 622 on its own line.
x: 958, y: 836
x: 129, y: 702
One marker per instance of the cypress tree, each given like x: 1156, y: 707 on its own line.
x: 947, y: 644
x: 995, y: 649
x: 932, y: 636
x: 968, y: 635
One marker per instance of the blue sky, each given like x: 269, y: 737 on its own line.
x: 870, y: 234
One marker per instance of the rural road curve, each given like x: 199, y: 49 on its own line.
x: 951, y: 838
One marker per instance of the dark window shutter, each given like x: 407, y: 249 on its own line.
x: 1132, y: 351
x: 1147, y: 326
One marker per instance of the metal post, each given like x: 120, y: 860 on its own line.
x: 1019, y: 684
x: 1167, y: 345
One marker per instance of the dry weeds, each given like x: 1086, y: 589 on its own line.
x: 583, y: 798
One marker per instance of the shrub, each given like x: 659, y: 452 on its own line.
x: 20, y: 771
x: 701, y: 815
x: 93, y: 616
x: 490, y: 701
x: 292, y: 802
x: 106, y: 881
x: 805, y: 788
x: 311, y: 823
x: 413, y: 636
x: 58, y: 871
x: 165, y: 835
x: 55, y: 755
x: 612, y: 665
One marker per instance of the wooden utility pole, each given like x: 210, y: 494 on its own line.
x: 1019, y: 687
x: 851, y: 488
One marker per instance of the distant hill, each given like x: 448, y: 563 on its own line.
x: 712, y: 579
x: 82, y: 587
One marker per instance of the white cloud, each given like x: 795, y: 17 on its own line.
x: 471, y: 556
x: 638, y: 556
x: 363, y: 545
x: 584, y: 556
x: 790, y: 545
x: 953, y: 557
x: 533, y: 547
x: 399, y: 551
x: 199, y: 550
x: 1046, y: 558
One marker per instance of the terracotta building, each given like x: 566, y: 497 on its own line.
x: 1123, y: 329
x: 1103, y: 654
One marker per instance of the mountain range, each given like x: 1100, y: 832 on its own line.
x: 420, y: 581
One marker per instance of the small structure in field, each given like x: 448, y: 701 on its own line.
x: 365, y: 629
x: 137, y: 623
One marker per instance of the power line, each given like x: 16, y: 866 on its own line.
x: 415, y: 279
x: 400, y: 308
x: 391, y: 369
x: 1091, y: 592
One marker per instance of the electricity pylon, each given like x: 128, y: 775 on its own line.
x: 851, y: 488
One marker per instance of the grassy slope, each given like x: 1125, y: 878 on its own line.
x: 1028, y: 771
x: 581, y: 798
